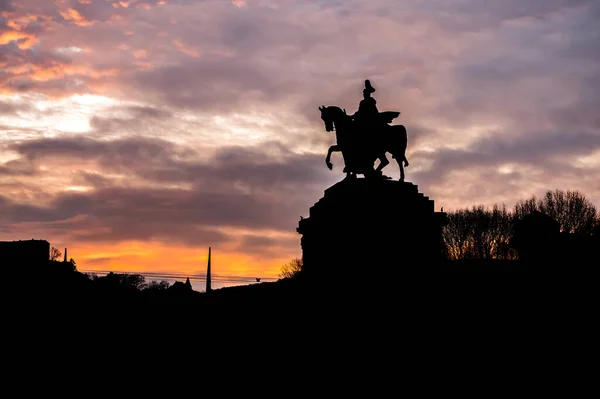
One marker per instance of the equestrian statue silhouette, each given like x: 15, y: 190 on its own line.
x: 365, y: 137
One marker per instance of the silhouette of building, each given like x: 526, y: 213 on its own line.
x: 180, y: 287
x: 28, y: 252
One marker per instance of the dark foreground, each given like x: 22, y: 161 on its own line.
x: 55, y: 283
x: 378, y: 317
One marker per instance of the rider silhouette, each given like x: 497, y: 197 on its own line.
x: 368, y: 122
x: 367, y: 109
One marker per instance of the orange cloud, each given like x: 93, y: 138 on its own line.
x: 59, y: 71
x: 192, y: 52
x: 19, y: 26
x: 24, y: 40
x: 54, y: 71
x: 124, y: 4
x: 238, y: 3
x: 74, y: 16
x: 18, y: 69
x: 21, y: 21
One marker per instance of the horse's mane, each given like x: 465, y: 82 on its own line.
x: 336, y: 110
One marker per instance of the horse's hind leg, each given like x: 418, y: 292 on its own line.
x: 383, y: 162
x: 399, y: 161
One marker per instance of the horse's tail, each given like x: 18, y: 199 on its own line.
x: 403, y: 134
x: 398, y: 142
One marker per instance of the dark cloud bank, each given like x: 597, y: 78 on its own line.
x: 169, y: 194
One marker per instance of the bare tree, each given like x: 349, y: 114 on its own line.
x: 483, y: 233
x: 157, y: 285
x: 571, y: 209
x: 55, y: 253
x: 292, y: 268
x: 525, y: 207
x: 456, y: 235
x: 502, y: 224
x: 133, y: 280
x: 479, y: 233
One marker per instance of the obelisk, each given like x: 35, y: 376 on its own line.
x: 208, y: 287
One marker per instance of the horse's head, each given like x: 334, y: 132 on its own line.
x: 330, y: 115
x: 327, y: 118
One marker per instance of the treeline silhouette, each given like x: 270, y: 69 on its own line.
x: 56, y: 280
x: 559, y: 229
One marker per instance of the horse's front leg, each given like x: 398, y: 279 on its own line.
x: 333, y: 148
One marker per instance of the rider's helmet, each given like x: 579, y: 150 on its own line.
x: 368, y: 88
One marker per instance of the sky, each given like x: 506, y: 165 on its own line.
x: 138, y: 133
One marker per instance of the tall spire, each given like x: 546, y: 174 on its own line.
x: 208, y: 287
x: 65, y: 255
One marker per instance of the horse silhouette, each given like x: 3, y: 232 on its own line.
x: 360, y: 155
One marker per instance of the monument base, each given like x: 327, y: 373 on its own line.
x: 365, y: 229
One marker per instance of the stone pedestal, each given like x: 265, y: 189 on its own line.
x: 371, y: 230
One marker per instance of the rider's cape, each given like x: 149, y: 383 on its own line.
x: 388, y: 116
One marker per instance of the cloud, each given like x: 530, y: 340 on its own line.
x: 6, y: 5
x: 135, y: 118
x: 539, y: 150
x: 267, y: 246
x: 270, y: 167
x: 254, y: 189
x: 216, y: 84
x: 17, y: 167
x: 502, y: 169
x: 7, y: 107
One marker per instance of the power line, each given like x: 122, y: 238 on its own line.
x: 194, y: 277
x: 172, y: 275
